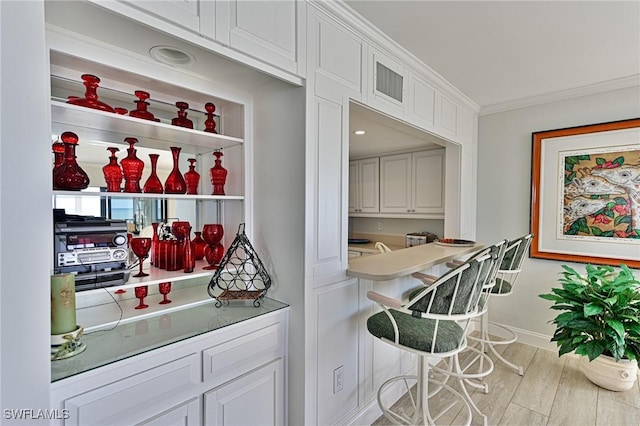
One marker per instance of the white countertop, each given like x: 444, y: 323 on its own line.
x: 399, y: 263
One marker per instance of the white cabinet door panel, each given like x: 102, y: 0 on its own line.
x: 446, y: 116
x: 187, y: 414
x: 253, y: 399
x: 185, y: 13
x: 422, y: 103
x: 364, y: 186
x: 263, y: 29
x: 427, y: 172
x: 395, y: 183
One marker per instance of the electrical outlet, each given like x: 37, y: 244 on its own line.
x: 380, y: 225
x: 338, y: 379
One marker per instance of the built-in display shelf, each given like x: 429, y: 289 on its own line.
x: 93, y: 124
x: 150, y: 196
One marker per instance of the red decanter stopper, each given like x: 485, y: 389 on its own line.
x: 182, y: 120
x: 210, y: 123
x: 113, y: 172
x: 218, y: 175
x: 142, y: 104
x: 132, y: 168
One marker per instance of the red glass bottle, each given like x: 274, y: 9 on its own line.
x: 90, y: 99
x: 112, y: 171
x: 182, y: 120
x: 155, y: 240
x: 188, y: 261
x: 175, y: 183
x: 153, y: 185
x: 198, y: 245
x: 70, y: 176
x: 58, y: 154
x: 218, y: 175
x: 132, y: 168
x: 141, y: 106
x: 210, y: 122
x: 192, y: 177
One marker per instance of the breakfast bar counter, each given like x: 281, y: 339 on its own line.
x: 399, y: 263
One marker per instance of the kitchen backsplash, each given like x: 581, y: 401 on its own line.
x: 367, y: 225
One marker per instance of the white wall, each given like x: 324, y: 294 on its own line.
x: 504, y: 190
x: 278, y: 198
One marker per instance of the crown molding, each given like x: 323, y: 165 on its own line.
x: 605, y: 86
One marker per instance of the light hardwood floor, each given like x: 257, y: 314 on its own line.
x: 553, y: 391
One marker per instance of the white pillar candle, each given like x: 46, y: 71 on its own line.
x: 63, y: 303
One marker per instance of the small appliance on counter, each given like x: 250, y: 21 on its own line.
x: 94, y: 249
x: 418, y: 238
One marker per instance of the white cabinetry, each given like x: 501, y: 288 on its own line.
x: 337, y: 61
x: 412, y: 183
x: 263, y: 29
x: 364, y: 186
x: 185, y: 13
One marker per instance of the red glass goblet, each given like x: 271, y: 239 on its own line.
x: 164, y: 289
x: 212, y: 234
x: 141, y: 247
x: 141, y: 293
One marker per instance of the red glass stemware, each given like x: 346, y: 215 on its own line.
x: 164, y: 289
x: 90, y: 99
x: 153, y: 185
x: 182, y: 120
x: 141, y: 247
x: 212, y: 233
x: 141, y: 293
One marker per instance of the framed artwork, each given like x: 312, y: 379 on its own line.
x: 585, y: 194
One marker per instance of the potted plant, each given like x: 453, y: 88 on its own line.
x: 601, y: 321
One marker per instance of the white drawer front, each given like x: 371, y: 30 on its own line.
x: 133, y: 399
x: 242, y: 354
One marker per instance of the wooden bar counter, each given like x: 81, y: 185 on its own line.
x: 399, y: 263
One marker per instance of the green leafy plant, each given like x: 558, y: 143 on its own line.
x: 602, y: 312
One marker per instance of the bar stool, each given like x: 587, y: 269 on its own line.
x: 433, y: 323
x: 506, y: 278
x: 465, y: 374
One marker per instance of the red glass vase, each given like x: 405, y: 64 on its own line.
x: 175, y: 183
x: 182, y: 120
x: 192, y: 178
x: 218, y: 175
x: 141, y: 106
x: 188, y: 260
x: 155, y: 239
x: 210, y: 122
x: 198, y: 245
x: 212, y: 234
x: 153, y: 185
x: 112, y: 171
x: 70, y: 176
x: 132, y: 168
x: 90, y: 99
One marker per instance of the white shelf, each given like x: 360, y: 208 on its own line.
x: 96, y: 125
x: 145, y: 195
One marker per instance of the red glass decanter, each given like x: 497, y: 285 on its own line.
x: 182, y: 120
x: 90, y: 99
x: 155, y: 239
x: 132, y: 168
x: 153, y: 185
x: 142, y: 104
x: 112, y: 171
x: 198, y: 245
x: 70, y: 176
x: 192, y: 177
x: 218, y: 175
x: 58, y: 154
x: 210, y: 122
x: 175, y: 183
x: 189, y: 260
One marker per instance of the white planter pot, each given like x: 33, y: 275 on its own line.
x: 605, y: 372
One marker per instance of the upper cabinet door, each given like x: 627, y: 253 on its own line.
x: 395, y: 183
x: 387, y: 84
x: 428, y: 183
x: 335, y: 54
x: 263, y: 29
x: 185, y: 13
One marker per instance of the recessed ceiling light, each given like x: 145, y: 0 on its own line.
x: 359, y: 132
x: 172, y: 55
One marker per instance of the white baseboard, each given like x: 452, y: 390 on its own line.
x: 526, y: 337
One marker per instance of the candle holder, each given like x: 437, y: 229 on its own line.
x: 67, y: 345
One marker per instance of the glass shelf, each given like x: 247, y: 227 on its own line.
x: 149, y: 196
